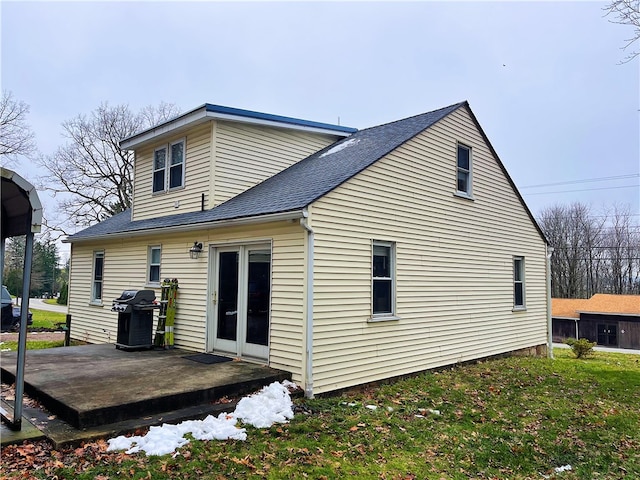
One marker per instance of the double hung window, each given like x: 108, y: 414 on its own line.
x: 154, y: 256
x: 383, y: 273
x: 168, y: 167
x: 98, y: 277
x: 518, y: 283
x: 464, y: 170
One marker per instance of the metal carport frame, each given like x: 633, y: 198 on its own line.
x: 21, y: 215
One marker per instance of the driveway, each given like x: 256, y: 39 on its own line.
x: 39, y: 304
x: 604, y: 349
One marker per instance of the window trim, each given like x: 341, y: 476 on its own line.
x: 93, y: 299
x: 154, y: 170
x: 150, y: 264
x: 519, y: 260
x: 170, y: 164
x: 469, y: 192
x: 384, y: 316
x: 168, y: 167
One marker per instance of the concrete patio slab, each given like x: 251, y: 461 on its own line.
x: 90, y: 386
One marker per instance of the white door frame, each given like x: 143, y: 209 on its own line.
x: 239, y: 347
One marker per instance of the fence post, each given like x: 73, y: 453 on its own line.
x: 67, y: 332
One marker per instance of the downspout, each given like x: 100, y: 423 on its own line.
x: 549, y: 322
x: 308, y: 377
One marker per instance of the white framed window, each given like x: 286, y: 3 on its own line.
x: 518, y: 284
x: 168, y: 166
x: 97, y: 277
x: 383, y: 279
x: 159, y: 169
x: 154, y: 257
x: 464, y: 177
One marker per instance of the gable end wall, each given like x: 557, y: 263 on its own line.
x: 454, y: 263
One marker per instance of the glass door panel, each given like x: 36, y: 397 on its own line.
x: 241, y: 300
x: 227, y: 296
x: 258, y: 295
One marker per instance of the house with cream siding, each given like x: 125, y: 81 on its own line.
x: 343, y: 256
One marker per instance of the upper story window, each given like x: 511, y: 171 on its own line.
x: 97, y: 278
x: 168, y: 167
x: 518, y: 283
x: 383, y: 272
x: 154, y: 257
x: 464, y: 170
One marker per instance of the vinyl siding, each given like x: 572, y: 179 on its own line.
x: 125, y: 267
x: 196, y: 181
x: 454, y: 258
x: 222, y: 160
x: 247, y: 155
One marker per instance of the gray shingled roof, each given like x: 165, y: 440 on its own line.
x: 293, y: 188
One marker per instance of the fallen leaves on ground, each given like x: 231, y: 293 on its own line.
x: 19, y: 460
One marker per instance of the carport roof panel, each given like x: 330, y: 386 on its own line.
x: 21, y: 207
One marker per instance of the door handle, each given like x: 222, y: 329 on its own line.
x: 215, y: 298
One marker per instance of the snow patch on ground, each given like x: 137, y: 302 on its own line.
x: 564, y: 468
x: 270, y: 405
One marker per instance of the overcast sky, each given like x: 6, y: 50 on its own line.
x: 543, y: 78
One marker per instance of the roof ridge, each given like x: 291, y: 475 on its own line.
x: 457, y: 105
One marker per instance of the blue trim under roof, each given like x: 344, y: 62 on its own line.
x: 276, y: 118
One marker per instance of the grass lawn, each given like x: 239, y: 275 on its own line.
x: 35, y: 344
x: 41, y: 319
x: 46, y: 319
x: 512, y: 418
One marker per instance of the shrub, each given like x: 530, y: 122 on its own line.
x: 582, y: 347
x: 64, y: 292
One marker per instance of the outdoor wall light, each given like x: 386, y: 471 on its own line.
x: 196, y: 250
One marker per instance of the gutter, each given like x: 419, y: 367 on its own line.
x: 191, y: 227
x: 549, y: 322
x: 308, y: 378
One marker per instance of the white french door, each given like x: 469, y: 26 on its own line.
x: 241, y: 298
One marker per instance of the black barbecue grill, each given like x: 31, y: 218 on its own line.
x: 135, y: 318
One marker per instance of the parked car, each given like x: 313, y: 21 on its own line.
x: 11, y: 313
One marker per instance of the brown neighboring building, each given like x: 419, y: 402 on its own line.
x: 608, y: 320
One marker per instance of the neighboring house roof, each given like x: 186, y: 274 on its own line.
x: 600, y: 303
x: 567, y: 307
x: 612, y: 304
x: 208, y: 112
x: 296, y: 187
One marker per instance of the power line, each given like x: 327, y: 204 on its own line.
x: 587, y: 180
x: 584, y: 190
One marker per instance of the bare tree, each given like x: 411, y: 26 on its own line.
x: 623, y: 249
x: 16, y: 136
x: 592, y: 253
x: 91, y: 175
x: 626, y: 12
x: 571, y: 232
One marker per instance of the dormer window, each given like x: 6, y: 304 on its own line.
x: 168, y: 167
